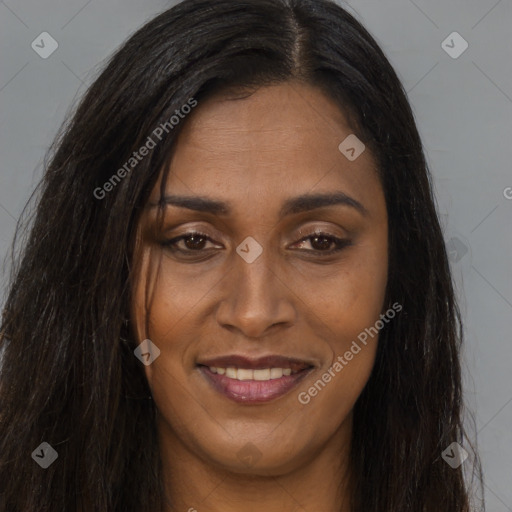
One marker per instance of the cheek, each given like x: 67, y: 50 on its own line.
x: 164, y: 308
x: 165, y: 295
x: 329, y: 399
x: 350, y: 296
x: 349, y: 309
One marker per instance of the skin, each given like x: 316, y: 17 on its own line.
x: 254, y: 153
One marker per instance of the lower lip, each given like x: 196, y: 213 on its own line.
x: 253, y: 391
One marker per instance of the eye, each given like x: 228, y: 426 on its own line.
x: 191, y: 242
x: 324, y: 243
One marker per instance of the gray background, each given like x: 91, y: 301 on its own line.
x: 463, y: 108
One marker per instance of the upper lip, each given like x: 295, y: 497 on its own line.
x: 272, y: 361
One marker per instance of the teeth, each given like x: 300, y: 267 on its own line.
x: 247, y: 374
x: 231, y: 373
x: 276, y: 373
x: 262, y: 374
x: 242, y: 374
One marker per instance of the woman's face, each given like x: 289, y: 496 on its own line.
x: 257, y: 294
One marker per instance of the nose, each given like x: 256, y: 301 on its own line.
x: 256, y: 298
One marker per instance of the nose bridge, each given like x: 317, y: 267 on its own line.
x: 255, y: 281
x: 255, y: 297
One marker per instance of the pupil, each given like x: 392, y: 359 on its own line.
x: 324, y: 245
x: 196, y: 241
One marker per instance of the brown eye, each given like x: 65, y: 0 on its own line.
x: 194, y: 242
x: 323, y: 242
x: 188, y: 243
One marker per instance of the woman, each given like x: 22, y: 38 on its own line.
x: 235, y: 293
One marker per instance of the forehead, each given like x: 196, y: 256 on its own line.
x: 282, y: 140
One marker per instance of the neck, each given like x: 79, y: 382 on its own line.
x: 318, y: 482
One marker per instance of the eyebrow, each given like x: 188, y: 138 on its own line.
x: 309, y: 202
x: 294, y: 205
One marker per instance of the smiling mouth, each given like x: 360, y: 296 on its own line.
x: 254, y: 381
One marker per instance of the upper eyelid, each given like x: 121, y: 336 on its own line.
x: 334, y: 225
x: 304, y: 233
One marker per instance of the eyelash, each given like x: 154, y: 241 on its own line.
x: 340, y: 243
